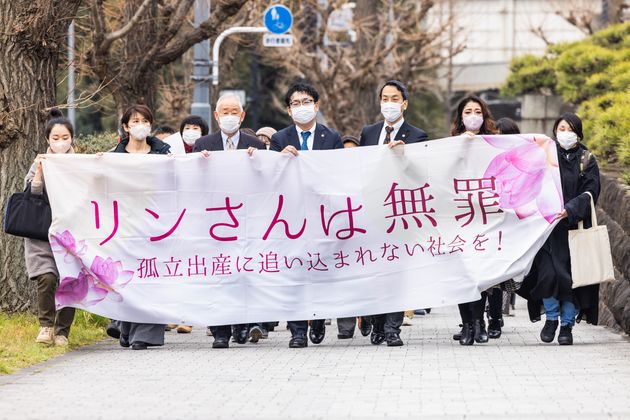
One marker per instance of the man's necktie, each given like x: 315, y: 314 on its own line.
x: 229, y: 145
x: 388, y: 136
x: 305, y: 136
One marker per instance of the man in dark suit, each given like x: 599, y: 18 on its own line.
x: 393, y: 131
x: 229, y: 115
x: 302, y: 101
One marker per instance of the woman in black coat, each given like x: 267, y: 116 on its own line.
x: 136, y: 123
x: 550, y: 277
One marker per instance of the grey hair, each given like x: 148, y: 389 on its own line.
x: 228, y: 96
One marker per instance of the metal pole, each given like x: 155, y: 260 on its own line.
x: 201, y: 67
x: 217, y: 45
x: 71, y: 104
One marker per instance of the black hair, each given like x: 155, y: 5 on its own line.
x: 55, y: 117
x: 398, y: 85
x: 301, y: 87
x: 488, y: 122
x: 194, y: 120
x: 507, y: 125
x: 163, y: 129
x: 574, y: 122
x: 136, y: 109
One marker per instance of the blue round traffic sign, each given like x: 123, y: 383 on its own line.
x: 278, y: 19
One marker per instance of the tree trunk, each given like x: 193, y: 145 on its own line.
x: 33, y: 37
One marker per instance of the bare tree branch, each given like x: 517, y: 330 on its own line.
x: 113, y: 36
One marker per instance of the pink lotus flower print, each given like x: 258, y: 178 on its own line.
x: 110, y: 275
x: 525, y: 177
x: 66, y: 244
x: 80, y: 290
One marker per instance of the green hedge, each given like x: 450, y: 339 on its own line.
x: 593, y: 74
x: 94, y: 143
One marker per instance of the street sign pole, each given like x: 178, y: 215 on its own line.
x: 201, y: 66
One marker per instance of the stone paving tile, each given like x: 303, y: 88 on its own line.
x: 432, y: 376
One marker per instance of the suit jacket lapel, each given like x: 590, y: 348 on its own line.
x: 293, y: 139
x: 216, y: 142
x: 241, y: 142
x: 403, y: 132
x: 376, y: 134
x: 320, y: 136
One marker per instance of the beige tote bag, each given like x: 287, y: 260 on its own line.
x: 591, y: 259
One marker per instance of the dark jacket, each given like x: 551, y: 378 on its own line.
x: 550, y: 275
x: 407, y: 133
x: 158, y: 147
x: 214, y: 142
x: 325, y: 139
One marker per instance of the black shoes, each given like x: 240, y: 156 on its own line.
x: 139, y: 345
x: 467, y: 337
x: 221, y: 343
x: 458, y: 336
x: 420, y: 312
x: 393, y: 340
x: 494, y: 328
x: 565, y: 337
x: 298, y: 342
x: 124, y: 341
x: 317, y: 335
x: 548, y: 332
x: 479, y: 329
x: 241, y: 334
x: 377, y: 338
x: 344, y: 336
x: 113, y: 331
x: 255, y: 334
x: 366, y: 326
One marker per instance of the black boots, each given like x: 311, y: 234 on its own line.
x: 565, y: 338
x: 549, y: 331
x: 479, y: 328
x: 494, y: 328
x: 467, y: 337
x: 458, y: 335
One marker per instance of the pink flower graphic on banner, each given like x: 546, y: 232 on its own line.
x: 66, y: 244
x: 82, y: 290
x: 527, y: 180
x: 111, y: 275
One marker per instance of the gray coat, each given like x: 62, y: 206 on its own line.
x: 38, y: 254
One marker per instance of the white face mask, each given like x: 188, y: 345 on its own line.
x: 303, y: 114
x: 61, y: 146
x: 140, y: 132
x: 229, y: 124
x: 473, y: 122
x: 190, y: 136
x: 392, y: 111
x: 566, y: 139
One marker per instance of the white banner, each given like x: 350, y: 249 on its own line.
x: 236, y: 239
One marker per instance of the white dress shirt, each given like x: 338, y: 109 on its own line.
x: 235, y: 138
x: 311, y: 139
x: 381, y: 139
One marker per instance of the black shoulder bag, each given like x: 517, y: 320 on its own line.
x: 28, y: 215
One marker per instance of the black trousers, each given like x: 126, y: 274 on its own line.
x: 388, y: 323
x: 300, y: 328
x: 225, y: 331
x: 473, y: 310
x: 495, y: 304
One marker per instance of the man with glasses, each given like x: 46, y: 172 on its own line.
x: 302, y: 101
x: 393, y: 131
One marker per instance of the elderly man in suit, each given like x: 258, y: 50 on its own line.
x: 230, y: 115
x: 393, y: 131
x: 302, y: 101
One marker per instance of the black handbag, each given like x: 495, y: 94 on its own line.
x: 28, y: 215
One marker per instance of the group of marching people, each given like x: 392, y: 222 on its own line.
x: 547, y: 288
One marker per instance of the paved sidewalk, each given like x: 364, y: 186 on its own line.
x: 431, y: 376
